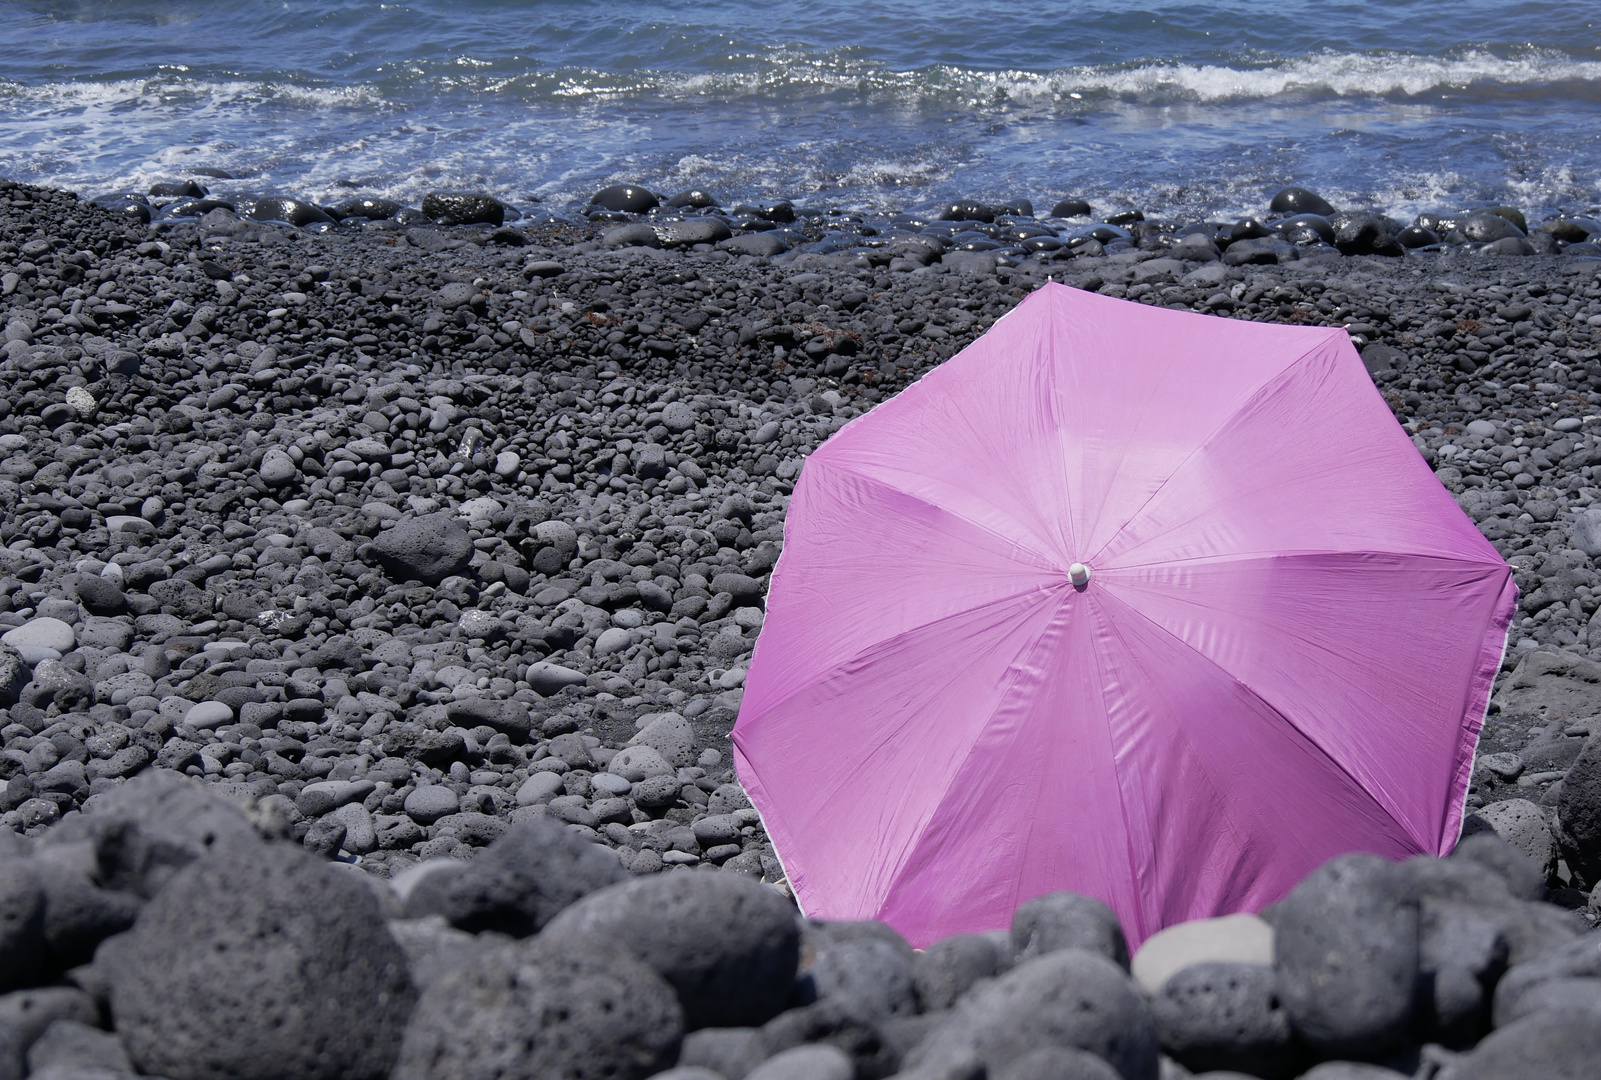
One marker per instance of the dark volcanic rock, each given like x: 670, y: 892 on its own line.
x: 1067, y: 920
x: 427, y: 549
x: 1562, y: 1044
x: 1363, y: 234
x: 283, y: 208
x: 694, y: 198
x: 463, y: 208
x: 623, y: 198
x: 544, y: 1010
x: 259, y: 961
x: 947, y: 969
x: 728, y: 945
x: 1579, y: 812
x: 519, y: 883
x: 1069, y: 998
x: 22, y: 901
x: 873, y: 976
x: 1298, y: 200
x: 368, y: 208
x: 100, y: 596
x: 1071, y: 208
x: 1225, y: 1016
x: 1057, y: 1063
x: 1346, y: 951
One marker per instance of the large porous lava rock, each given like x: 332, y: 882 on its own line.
x: 1069, y: 998
x: 545, y: 1009
x: 1578, y: 830
x: 427, y: 549
x: 1225, y: 1016
x: 1067, y: 920
x: 1346, y: 947
x: 727, y: 944
x: 947, y: 969
x: 145, y: 830
x: 1557, y: 1044
x: 1551, y: 685
x: 22, y: 906
x: 257, y: 962
x: 517, y: 884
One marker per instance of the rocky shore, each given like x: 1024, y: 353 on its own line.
x: 437, y: 551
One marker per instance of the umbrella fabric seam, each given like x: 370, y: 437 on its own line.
x: 1249, y: 556
x: 1196, y: 757
x: 1052, y: 563
x: 1311, y: 741
x: 967, y: 753
x: 1111, y: 581
x: 1270, y: 385
x: 1014, y: 671
x: 1141, y: 885
x: 892, y: 639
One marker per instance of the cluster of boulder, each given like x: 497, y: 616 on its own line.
x: 165, y: 931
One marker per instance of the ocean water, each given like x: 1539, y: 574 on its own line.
x: 1185, y: 109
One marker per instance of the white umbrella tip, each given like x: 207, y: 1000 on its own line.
x: 1078, y: 574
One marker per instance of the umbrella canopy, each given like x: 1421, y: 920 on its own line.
x: 1157, y: 607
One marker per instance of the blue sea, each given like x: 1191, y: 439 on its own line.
x: 1184, y: 109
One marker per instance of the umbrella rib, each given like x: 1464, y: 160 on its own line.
x: 1306, y: 553
x: 1276, y: 711
x: 1240, y: 834
x: 1014, y: 672
x: 1045, y: 561
x: 1056, y: 372
x: 893, y: 639
x: 1262, y: 391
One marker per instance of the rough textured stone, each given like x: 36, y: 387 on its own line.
x: 255, y: 962
x: 1224, y: 1016
x: 947, y: 969
x: 1346, y: 945
x: 1056, y: 1063
x: 1579, y: 812
x: 1578, y: 958
x: 543, y: 1010
x: 727, y: 944
x: 1069, y: 998
x: 816, y: 1062
x: 873, y: 975
x: 729, y: 1052
x: 427, y: 549
x: 1066, y: 920
x: 1238, y: 939
x: 517, y: 884
x: 1562, y: 1044
x: 21, y: 923
x: 1522, y: 824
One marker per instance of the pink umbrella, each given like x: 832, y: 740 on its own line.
x: 1157, y: 607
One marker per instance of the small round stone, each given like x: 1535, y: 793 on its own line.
x: 42, y: 633
x: 427, y: 804
x: 208, y: 714
x: 277, y: 468
x: 612, y: 641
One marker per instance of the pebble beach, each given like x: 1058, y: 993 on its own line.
x: 379, y: 581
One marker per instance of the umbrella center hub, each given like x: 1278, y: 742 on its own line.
x: 1079, y: 575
